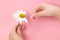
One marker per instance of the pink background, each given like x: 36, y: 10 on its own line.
x: 44, y: 28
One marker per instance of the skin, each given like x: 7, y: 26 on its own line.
x: 46, y: 10
x: 41, y: 10
x: 16, y: 33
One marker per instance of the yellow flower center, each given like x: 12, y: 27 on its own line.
x: 21, y: 15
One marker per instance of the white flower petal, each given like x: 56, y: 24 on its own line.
x: 25, y: 20
x: 19, y: 20
x: 15, y: 15
x: 23, y: 12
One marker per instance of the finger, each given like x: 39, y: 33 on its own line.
x: 14, y: 29
x: 38, y: 9
x: 19, y: 29
x: 41, y: 7
x: 39, y: 14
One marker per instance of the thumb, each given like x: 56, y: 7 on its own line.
x: 35, y: 15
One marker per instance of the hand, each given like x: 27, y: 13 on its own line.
x: 46, y: 10
x: 16, y: 33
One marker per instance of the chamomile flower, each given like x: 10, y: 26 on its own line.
x: 20, y: 16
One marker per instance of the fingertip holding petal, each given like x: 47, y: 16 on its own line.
x: 32, y: 17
